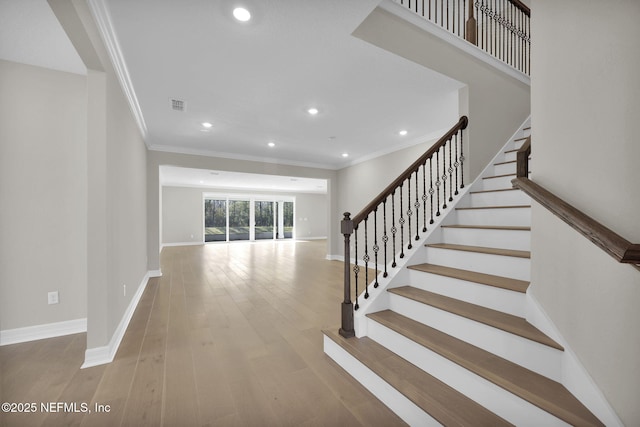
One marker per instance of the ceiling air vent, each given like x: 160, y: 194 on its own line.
x: 177, y: 104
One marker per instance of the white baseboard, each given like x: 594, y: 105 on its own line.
x: 38, y: 332
x: 155, y: 273
x: 575, y: 376
x: 181, y: 244
x: 101, y: 355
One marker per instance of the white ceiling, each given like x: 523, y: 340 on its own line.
x: 254, y: 81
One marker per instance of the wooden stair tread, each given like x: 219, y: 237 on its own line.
x: 473, y: 276
x: 442, y: 402
x: 521, y: 139
x: 482, y: 250
x: 506, y: 163
x: 495, y: 207
x: 494, y: 191
x: 489, y: 227
x: 542, y: 392
x: 499, y: 176
x: 497, y: 319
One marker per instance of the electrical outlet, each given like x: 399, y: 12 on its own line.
x: 53, y: 297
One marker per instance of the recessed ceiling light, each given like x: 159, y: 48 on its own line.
x: 271, y: 144
x: 201, y: 182
x: 403, y: 132
x: 241, y: 14
x: 207, y: 125
x: 345, y: 154
x: 313, y: 111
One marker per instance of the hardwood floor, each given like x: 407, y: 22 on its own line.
x: 230, y: 335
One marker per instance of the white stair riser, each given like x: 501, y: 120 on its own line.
x: 504, y: 300
x: 506, y: 239
x: 494, y: 398
x: 499, y: 198
x: 506, y: 266
x: 504, y: 216
x: 392, y: 398
x: 510, y: 156
x: 503, y: 169
x: 497, y: 183
x: 518, y: 144
x: 534, y: 356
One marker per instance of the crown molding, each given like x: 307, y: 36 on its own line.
x: 102, y: 16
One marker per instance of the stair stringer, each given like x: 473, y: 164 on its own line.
x: 575, y: 377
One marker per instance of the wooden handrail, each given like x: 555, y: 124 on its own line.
x: 523, y: 7
x: 391, y: 188
x: 431, y: 193
x: 612, y: 243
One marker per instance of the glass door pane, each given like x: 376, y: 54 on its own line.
x: 215, y: 220
x: 264, y: 216
x: 288, y: 219
x: 239, y: 219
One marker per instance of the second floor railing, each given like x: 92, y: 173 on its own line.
x: 499, y: 27
x: 381, y: 232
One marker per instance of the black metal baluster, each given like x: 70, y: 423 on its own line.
x: 435, y: 12
x: 409, y: 212
x: 444, y: 175
x: 385, y: 238
x: 376, y: 248
x: 456, y: 164
x: 416, y: 205
x: 453, y: 14
x: 394, y: 229
x: 365, y: 258
x: 356, y: 268
x: 451, y: 173
x: 424, y: 197
x: 438, y: 182
x: 431, y: 190
x: 461, y: 159
x: 401, y: 221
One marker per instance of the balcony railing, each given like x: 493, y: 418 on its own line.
x: 499, y: 27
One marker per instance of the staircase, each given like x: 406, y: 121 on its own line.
x: 448, y: 341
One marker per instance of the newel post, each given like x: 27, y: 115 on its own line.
x: 472, y: 28
x: 346, y: 228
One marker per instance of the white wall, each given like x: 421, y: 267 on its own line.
x: 360, y: 183
x: 116, y: 210
x: 312, y: 221
x: 495, y: 102
x: 585, y: 108
x: 43, y: 195
x: 182, y: 213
